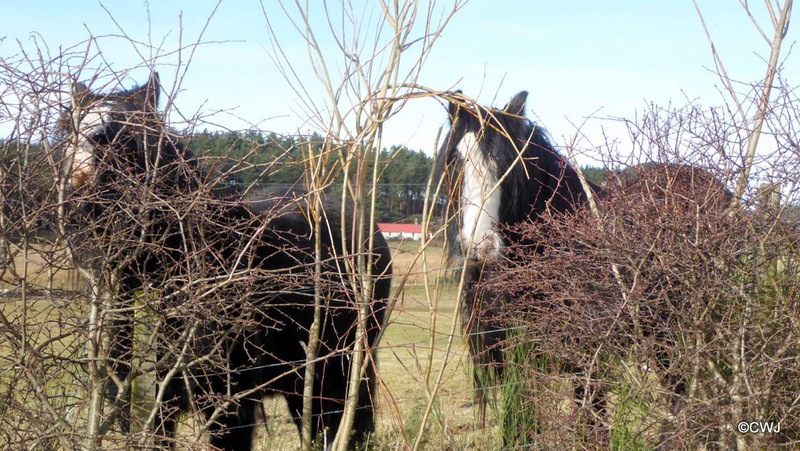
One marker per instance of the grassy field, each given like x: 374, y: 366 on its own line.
x: 422, y: 374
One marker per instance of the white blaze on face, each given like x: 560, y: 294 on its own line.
x: 80, y: 148
x: 480, y: 203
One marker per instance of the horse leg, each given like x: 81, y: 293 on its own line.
x: 233, y: 430
x: 364, y: 421
x: 334, y: 377
x: 665, y: 351
x: 176, y: 400
x: 321, y: 418
x: 486, y: 349
x: 295, y: 402
x: 592, y: 409
x: 485, y: 337
x: 121, y: 353
x: 327, y: 406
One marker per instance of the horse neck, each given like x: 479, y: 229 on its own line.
x: 179, y: 171
x: 559, y: 186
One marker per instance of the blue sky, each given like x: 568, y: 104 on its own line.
x: 576, y: 58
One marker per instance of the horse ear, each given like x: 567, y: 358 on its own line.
x: 152, y: 91
x: 78, y: 87
x: 516, y: 106
x: 78, y: 93
x: 452, y: 109
x: 146, y: 95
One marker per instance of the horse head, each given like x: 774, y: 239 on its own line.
x: 119, y: 136
x: 499, y: 169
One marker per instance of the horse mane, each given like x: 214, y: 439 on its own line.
x: 559, y: 186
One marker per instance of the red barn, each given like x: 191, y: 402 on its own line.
x: 400, y: 231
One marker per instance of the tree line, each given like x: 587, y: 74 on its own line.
x: 259, y: 160
x: 254, y: 161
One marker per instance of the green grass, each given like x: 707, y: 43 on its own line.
x: 627, y: 434
x: 415, y: 364
x: 410, y: 369
x: 40, y: 368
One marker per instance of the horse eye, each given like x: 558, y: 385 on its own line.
x: 452, y: 154
x: 96, y: 137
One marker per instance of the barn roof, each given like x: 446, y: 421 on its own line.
x: 386, y: 227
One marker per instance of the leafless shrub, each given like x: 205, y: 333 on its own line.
x: 696, y: 328
x: 671, y: 304
x: 169, y: 272
x: 165, y: 277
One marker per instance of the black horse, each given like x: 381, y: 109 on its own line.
x: 500, y: 169
x: 231, y: 286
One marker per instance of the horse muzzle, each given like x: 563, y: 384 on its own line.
x: 485, y: 249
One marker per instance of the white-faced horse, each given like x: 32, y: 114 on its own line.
x: 500, y: 169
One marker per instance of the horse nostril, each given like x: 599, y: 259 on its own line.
x: 78, y: 179
x: 468, y: 249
